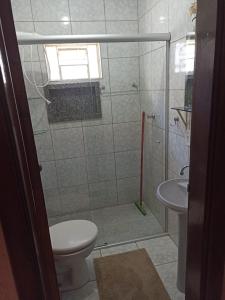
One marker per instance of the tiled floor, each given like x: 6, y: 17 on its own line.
x: 163, y: 253
x: 119, y: 223
x: 124, y: 223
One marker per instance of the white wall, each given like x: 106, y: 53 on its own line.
x: 87, y: 164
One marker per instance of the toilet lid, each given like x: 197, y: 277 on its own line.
x: 72, y: 236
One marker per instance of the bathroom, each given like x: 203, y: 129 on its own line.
x: 128, y: 132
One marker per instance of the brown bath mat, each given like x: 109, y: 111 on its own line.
x: 129, y: 276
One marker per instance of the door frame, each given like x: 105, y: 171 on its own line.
x: 206, y: 224
x: 22, y: 208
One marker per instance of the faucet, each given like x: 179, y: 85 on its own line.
x: 182, y: 170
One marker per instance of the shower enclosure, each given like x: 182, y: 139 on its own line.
x: 86, y: 94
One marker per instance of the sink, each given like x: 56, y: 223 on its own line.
x: 174, y: 194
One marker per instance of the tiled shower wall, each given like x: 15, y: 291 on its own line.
x: 87, y: 164
x: 164, y: 16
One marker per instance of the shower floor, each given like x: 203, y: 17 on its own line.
x: 124, y: 223
x: 118, y: 224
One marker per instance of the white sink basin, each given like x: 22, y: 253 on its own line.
x: 174, y: 195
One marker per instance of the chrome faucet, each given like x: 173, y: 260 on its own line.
x: 182, y: 170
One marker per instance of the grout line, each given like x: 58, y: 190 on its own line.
x: 167, y: 263
x: 92, y: 155
x: 113, y: 94
x: 149, y: 9
x: 113, y: 137
x: 70, y: 17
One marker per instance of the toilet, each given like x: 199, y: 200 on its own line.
x: 72, y: 241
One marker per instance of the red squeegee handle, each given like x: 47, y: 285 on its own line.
x: 142, y: 155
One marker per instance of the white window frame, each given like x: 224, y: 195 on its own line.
x: 52, y: 60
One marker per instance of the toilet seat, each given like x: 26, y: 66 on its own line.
x: 72, y: 236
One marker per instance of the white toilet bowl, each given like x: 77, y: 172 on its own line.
x: 72, y: 241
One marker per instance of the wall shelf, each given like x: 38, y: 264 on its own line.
x: 184, y: 117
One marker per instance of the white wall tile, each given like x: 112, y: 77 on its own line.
x: 97, y: 27
x: 128, y: 190
x: 145, y: 26
x: 34, y: 73
x: 63, y: 125
x: 158, y: 69
x: 103, y: 194
x: 38, y: 114
x: 105, y: 81
x: 124, y: 72
x: 86, y: 10
x: 145, y: 72
x: 146, y: 105
x: 177, y: 75
x: 68, y: 143
x: 51, y: 10
x: 52, y: 202
x: 160, y: 20
x: 122, y: 49
x: 156, y: 173
x: 74, y: 199
x: 176, y: 100
x: 127, y: 164
x: 100, y: 167
x: 44, y: 148
x: 52, y: 28
x: 25, y: 51
x: 145, y: 5
x: 98, y: 139
x: 71, y: 172
x: 106, y: 117
x: 21, y: 10
x: 125, y: 108
x: 158, y: 108
x: 127, y: 136
x: 158, y: 144
x: 48, y: 175
x: 179, y: 18
x: 178, y: 153
x: 121, y: 9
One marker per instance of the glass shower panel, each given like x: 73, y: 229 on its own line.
x: 88, y: 137
x: 153, y: 102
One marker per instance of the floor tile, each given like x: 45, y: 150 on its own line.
x: 118, y: 249
x: 90, y: 262
x: 119, y: 213
x: 88, y: 292
x: 124, y: 223
x: 161, y: 250
x: 168, y: 274
x: 129, y: 230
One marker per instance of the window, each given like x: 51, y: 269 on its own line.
x: 73, y: 62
